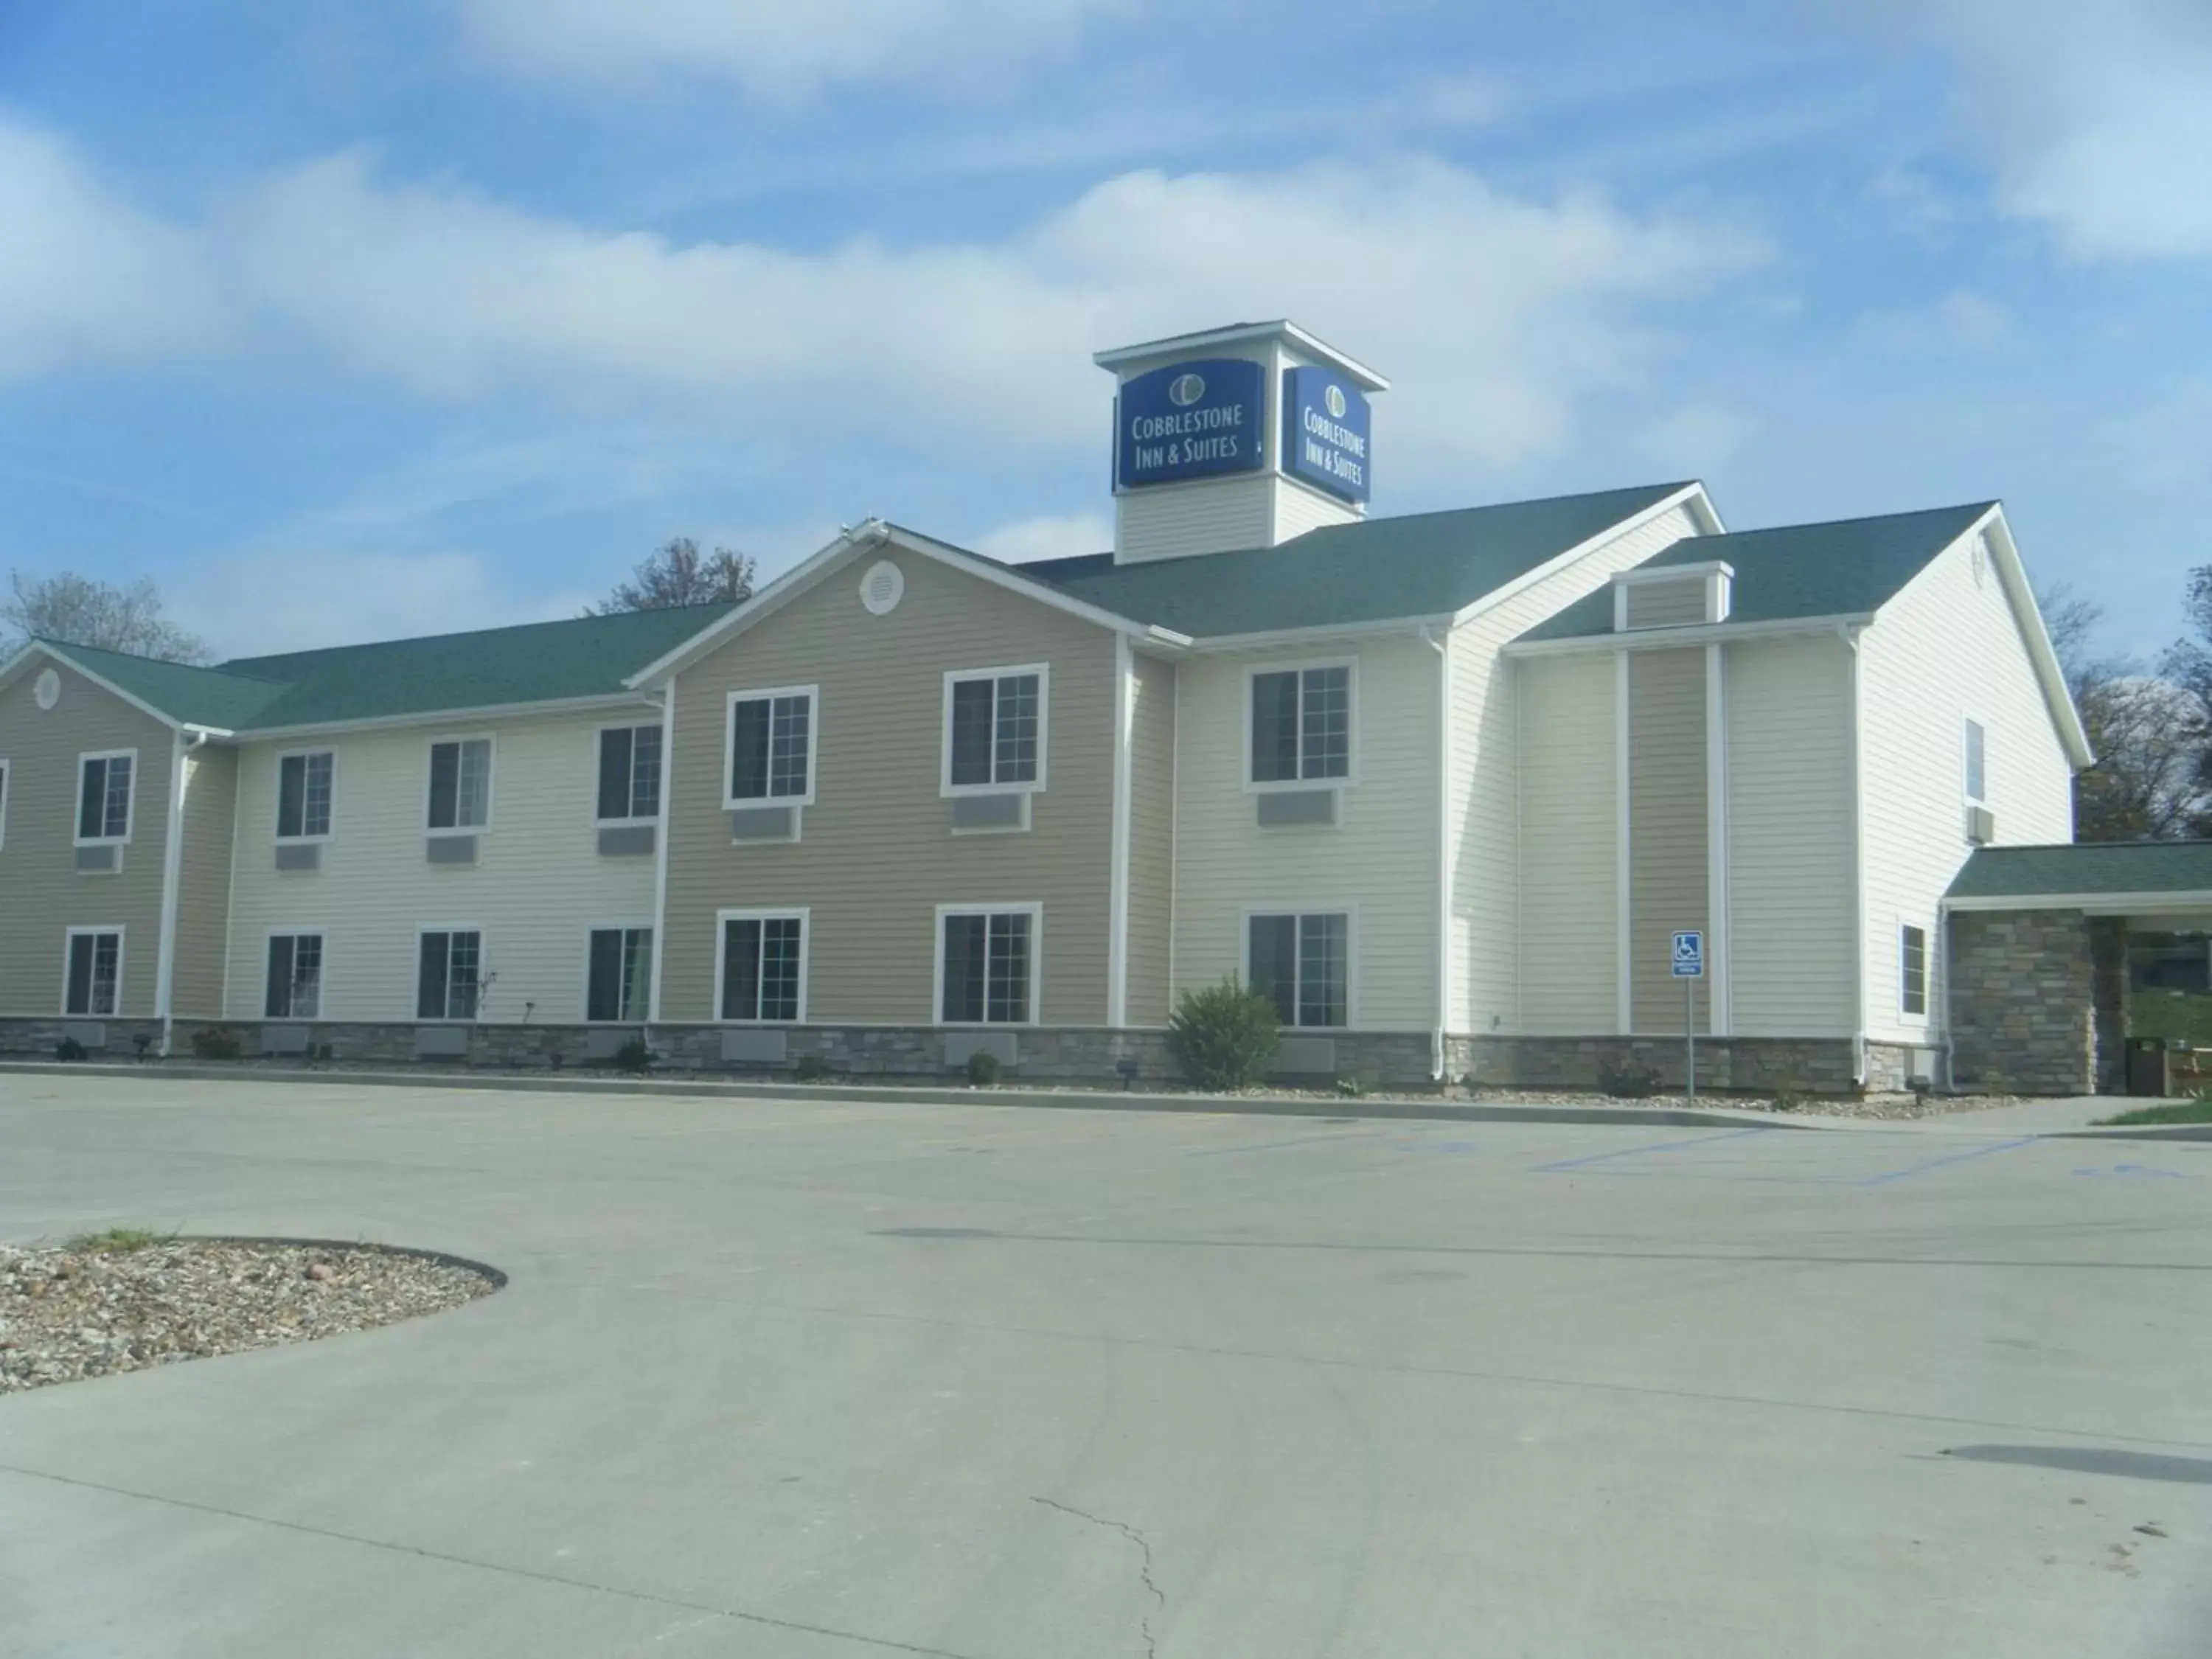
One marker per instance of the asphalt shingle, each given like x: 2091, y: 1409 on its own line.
x: 2118, y: 866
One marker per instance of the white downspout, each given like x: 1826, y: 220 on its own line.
x: 172, y: 858
x: 1850, y: 638
x: 1117, y: 886
x: 661, y: 852
x: 1440, y: 642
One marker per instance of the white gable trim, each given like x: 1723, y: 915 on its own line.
x: 2028, y: 615
x: 1691, y: 496
x: 41, y: 648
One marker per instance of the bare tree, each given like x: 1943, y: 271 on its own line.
x: 678, y: 573
x: 77, y: 610
x: 2149, y: 731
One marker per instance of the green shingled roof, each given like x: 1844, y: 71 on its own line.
x: 2086, y: 867
x: 537, y: 662
x: 1425, y: 564
x: 1846, y: 568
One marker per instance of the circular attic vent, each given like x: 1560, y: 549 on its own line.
x: 883, y: 588
x: 47, y: 688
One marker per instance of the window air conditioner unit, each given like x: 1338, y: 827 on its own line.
x: 1981, y: 825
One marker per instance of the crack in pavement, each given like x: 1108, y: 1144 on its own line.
x: 1143, y: 1564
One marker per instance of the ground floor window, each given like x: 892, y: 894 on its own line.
x: 1912, y: 970
x: 295, y: 976
x: 990, y: 967
x: 763, y: 967
x: 621, y: 970
x: 449, y: 981
x: 1304, y: 964
x: 94, y: 984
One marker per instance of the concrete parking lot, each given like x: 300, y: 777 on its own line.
x: 830, y: 1381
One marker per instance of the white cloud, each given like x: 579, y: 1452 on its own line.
x: 1052, y: 537
x: 248, y: 604
x: 1500, y: 315
x: 2097, y: 118
x: 770, y: 46
x: 85, y: 275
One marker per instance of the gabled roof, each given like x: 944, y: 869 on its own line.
x: 2018, y: 878
x: 552, y: 662
x: 1849, y: 567
x: 1422, y: 564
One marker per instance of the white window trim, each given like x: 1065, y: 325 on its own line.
x: 130, y: 804
x: 1927, y: 972
x: 637, y: 925
x: 804, y: 916
x: 8, y: 794
x: 122, y: 961
x: 730, y: 803
x: 322, y: 984
x: 415, y: 971
x: 1034, y: 910
x: 1278, y: 785
x: 491, y: 786
x: 1349, y: 911
x: 1966, y: 769
x: 277, y: 792
x: 953, y: 677
x: 598, y: 734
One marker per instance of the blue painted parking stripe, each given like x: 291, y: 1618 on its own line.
x: 1663, y: 1146
x: 1939, y: 1163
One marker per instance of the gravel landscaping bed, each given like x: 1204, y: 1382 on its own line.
x: 123, y: 1302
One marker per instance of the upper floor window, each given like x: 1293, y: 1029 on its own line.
x: 771, y: 748
x: 1304, y: 964
x: 630, y: 772
x: 994, y: 728
x: 1977, y: 778
x: 303, y: 796
x: 460, y: 784
x: 103, y: 796
x: 1301, y: 724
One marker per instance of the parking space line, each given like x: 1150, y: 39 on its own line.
x: 1638, y: 1151
x: 1939, y: 1162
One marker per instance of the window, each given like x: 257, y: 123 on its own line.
x: 1302, y: 725
x: 303, y: 796
x: 630, y: 772
x: 990, y: 967
x: 450, y: 979
x: 1912, y: 970
x: 619, y: 981
x: 1976, y: 779
x: 295, y: 976
x: 103, y: 796
x: 460, y: 784
x: 762, y: 976
x: 994, y: 728
x: 92, y: 985
x: 1304, y: 964
x: 771, y: 747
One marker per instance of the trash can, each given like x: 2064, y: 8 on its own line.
x: 2151, y: 1067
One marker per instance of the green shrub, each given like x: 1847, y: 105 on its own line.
x: 218, y: 1043
x: 1629, y: 1080
x: 1351, y: 1088
x: 983, y: 1069
x: 632, y: 1056
x: 1222, y: 1035
x: 809, y: 1068
x: 69, y: 1048
x: 1791, y: 1094
x: 118, y: 1241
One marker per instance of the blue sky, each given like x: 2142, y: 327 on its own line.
x: 341, y: 322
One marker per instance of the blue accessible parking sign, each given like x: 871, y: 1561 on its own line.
x: 1689, y: 956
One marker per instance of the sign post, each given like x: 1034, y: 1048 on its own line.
x: 1689, y: 967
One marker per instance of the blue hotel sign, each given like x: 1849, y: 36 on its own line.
x: 1326, y: 432
x: 1195, y: 420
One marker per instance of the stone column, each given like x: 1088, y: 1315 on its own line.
x: 2021, y: 1002
x: 2108, y: 957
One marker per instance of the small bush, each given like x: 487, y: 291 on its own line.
x: 118, y: 1241
x: 69, y: 1048
x: 1352, y: 1088
x: 1222, y: 1035
x: 809, y: 1068
x: 1791, y: 1094
x: 1629, y: 1080
x: 218, y: 1043
x: 983, y: 1069
x: 632, y: 1056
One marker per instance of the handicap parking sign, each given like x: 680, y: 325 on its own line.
x: 1689, y: 956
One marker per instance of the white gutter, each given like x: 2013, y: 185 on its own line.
x: 173, y: 854
x: 1276, y: 636
x: 1441, y: 644
x: 1662, y: 638
x: 2095, y: 904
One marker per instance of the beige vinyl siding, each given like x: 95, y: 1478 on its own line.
x: 1379, y: 861
x: 876, y: 855
x: 1152, y: 840
x: 1790, y: 840
x: 1666, y: 812
x: 1678, y: 603
x: 538, y: 888
x: 1942, y: 650
x: 1485, y: 835
x: 203, y: 881
x: 1570, y: 892
x: 1209, y: 516
x: 41, y: 894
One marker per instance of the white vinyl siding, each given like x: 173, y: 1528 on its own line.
x: 1569, y: 896
x: 1209, y: 515
x: 536, y: 887
x: 1944, y: 650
